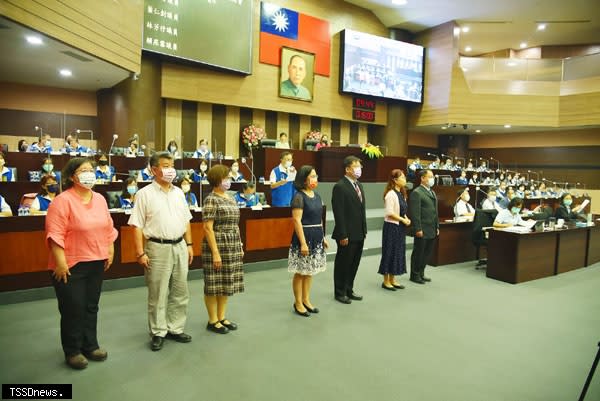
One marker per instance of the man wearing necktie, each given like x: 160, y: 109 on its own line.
x: 349, y: 212
x: 423, y: 214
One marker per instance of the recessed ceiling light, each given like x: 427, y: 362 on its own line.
x: 523, y: 45
x: 399, y: 2
x: 444, y: 127
x: 478, y: 131
x: 65, y: 72
x: 507, y: 125
x: 511, y: 64
x: 541, y: 27
x: 466, y: 29
x: 34, y: 40
x: 468, y: 48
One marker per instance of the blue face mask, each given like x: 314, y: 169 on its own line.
x: 52, y: 188
x: 568, y: 202
x: 515, y: 210
x: 132, y: 190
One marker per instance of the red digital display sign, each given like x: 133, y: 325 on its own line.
x: 363, y: 103
x: 363, y: 115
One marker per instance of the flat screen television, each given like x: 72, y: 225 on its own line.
x: 380, y: 67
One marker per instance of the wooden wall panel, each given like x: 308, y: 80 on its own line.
x: 173, y: 121
x: 421, y: 139
x: 580, y: 110
x: 232, y: 129
x: 204, y: 127
x: 45, y: 99
x: 109, y: 30
x: 544, y: 139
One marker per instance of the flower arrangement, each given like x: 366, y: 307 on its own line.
x: 371, y: 151
x: 252, y: 135
x: 314, y: 135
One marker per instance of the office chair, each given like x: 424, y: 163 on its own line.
x: 112, y: 198
x: 482, y: 221
x: 309, y: 144
x: 27, y: 200
x: 268, y: 143
x: 188, y: 155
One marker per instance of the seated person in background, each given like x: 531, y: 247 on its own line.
x: 500, y: 178
x: 44, y: 145
x: 282, y: 181
x: 5, y: 210
x: 202, y: 152
x: 510, y: 180
x: 470, y: 166
x: 541, y: 191
x: 557, y: 191
x: 6, y: 174
x: 234, y: 173
x: 282, y: 143
x: 564, y: 210
x: 510, y: 216
x: 66, y: 144
x: 462, y: 208
x: 247, y: 196
x: 186, y: 186
x: 75, y: 147
x: 520, y: 192
x: 416, y: 164
x: 490, y: 202
x: 132, y: 150
x: 323, y: 143
x: 48, y: 169
x: 145, y: 174
x: 474, y: 179
x: 200, y: 175
x: 23, y: 145
x: 448, y: 165
x: 532, y: 191
x: 458, y: 166
x: 173, y: 149
x: 462, y: 179
x: 435, y: 164
x: 48, y: 190
x: 127, y: 197
x: 502, y: 195
x: 482, y: 166
x: 105, y: 172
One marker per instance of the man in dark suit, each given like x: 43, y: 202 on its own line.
x: 423, y: 212
x: 348, y: 203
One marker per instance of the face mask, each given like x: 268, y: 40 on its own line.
x: 131, y: 189
x: 185, y: 188
x: 492, y: 197
x: 431, y: 182
x: 48, y: 143
x: 52, y: 188
x: 168, y: 174
x: 48, y: 167
x: 87, y: 179
x: 313, y: 183
x: 203, y: 167
x: 515, y: 210
x: 173, y: 149
x: 467, y: 197
x: 474, y: 178
x: 203, y: 148
x: 288, y: 164
x: 235, y: 169
x: 568, y: 202
x: 103, y: 162
x: 357, y: 172
x: 225, y: 185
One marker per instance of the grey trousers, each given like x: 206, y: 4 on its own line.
x: 168, y: 294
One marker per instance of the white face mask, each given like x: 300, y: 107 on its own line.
x: 185, y: 188
x: 357, y: 172
x: 225, y: 184
x: 431, y: 182
x: 492, y: 197
x: 87, y: 179
x: 173, y: 149
x: 48, y: 143
x: 234, y: 169
x: 467, y: 197
x: 168, y: 174
x: 203, y: 167
x: 288, y: 164
x: 203, y: 148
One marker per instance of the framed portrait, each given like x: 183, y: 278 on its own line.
x: 296, y: 74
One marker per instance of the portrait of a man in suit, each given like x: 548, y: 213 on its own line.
x: 297, y: 74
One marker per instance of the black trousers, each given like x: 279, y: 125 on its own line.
x: 78, y: 305
x: 421, y: 252
x: 345, y: 267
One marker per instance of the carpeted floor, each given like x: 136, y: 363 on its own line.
x: 462, y: 337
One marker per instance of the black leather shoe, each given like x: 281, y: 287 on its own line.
x: 157, y: 343
x: 311, y: 310
x: 398, y: 286
x: 355, y: 297
x: 385, y: 287
x: 231, y: 326
x: 180, y: 338
x: 343, y: 299
x: 219, y: 330
x: 305, y: 313
x: 417, y: 280
x: 426, y: 279
x: 97, y: 355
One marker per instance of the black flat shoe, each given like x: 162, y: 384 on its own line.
x: 417, y: 280
x: 426, y: 279
x: 180, y: 338
x: 231, y: 326
x: 311, y: 310
x: 398, y: 286
x: 343, y: 299
x: 305, y: 313
x: 385, y: 287
x: 157, y: 343
x: 219, y: 330
x: 355, y: 297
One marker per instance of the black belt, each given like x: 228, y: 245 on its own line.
x: 166, y: 241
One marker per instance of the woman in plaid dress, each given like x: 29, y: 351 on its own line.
x: 221, y: 250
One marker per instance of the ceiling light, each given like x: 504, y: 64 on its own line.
x: 478, y: 131
x: 399, y: 2
x: 65, y: 72
x: 507, y: 125
x: 444, y: 127
x: 34, y: 40
x: 468, y: 48
x: 541, y: 27
x: 511, y: 64
x: 466, y: 29
x: 523, y: 45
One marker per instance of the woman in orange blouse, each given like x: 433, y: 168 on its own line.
x: 80, y: 235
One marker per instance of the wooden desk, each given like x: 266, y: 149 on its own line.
x: 266, y: 235
x: 516, y: 258
x: 454, y: 245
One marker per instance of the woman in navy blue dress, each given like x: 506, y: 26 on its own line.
x: 393, y: 252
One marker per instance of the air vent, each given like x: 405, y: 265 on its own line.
x: 76, y: 56
x: 486, y: 22
x: 574, y: 21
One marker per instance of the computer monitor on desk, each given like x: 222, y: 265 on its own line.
x: 268, y: 143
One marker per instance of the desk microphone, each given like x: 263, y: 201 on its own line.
x: 441, y: 175
x: 252, y: 176
x: 432, y: 154
x: 115, y: 136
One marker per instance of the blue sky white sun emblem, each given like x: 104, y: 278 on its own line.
x: 280, y: 21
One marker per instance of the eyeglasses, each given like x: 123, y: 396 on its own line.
x: 84, y: 171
